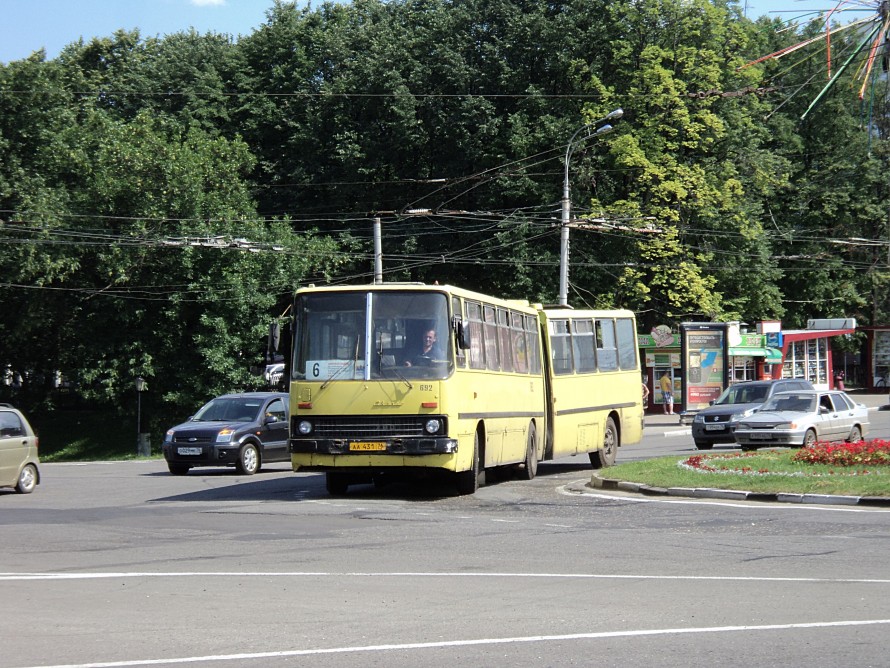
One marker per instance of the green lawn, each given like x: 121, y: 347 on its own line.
x: 766, y: 471
x: 73, y: 436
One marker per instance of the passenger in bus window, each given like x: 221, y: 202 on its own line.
x: 429, y: 350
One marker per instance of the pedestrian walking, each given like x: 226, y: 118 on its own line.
x: 839, y: 376
x: 667, y: 393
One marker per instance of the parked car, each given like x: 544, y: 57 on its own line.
x: 19, y: 464
x: 717, y: 422
x: 802, y: 418
x: 241, y: 430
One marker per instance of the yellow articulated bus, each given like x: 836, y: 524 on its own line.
x: 410, y: 378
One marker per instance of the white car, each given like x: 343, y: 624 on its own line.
x: 803, y: 417
x: 18, y: 451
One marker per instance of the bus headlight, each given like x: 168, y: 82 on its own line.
x: 305, y: 427
x: 433, y: 425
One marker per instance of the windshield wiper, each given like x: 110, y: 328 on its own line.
x: 392, y: 367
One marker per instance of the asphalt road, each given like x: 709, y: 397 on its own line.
x: 121, y: 564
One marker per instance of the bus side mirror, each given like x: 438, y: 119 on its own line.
x: 462, y: 333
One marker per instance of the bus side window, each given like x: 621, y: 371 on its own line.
x: 627, y: 344
x: 477, y: 340
x: 606, y: 350
x: 490, y: 327
x: 505, y: 341
x: 533, y: 337
x: 582, y: 343
x: 560, y: 347
x: 520, y: 347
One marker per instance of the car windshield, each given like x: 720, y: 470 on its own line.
x: 230, y: 409
x: 795, y: 403
x: 743, y: 394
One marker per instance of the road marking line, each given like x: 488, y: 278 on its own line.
x: 479, y: 641
x: 12, y: 577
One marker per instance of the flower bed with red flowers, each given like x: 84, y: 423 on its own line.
x: 866, y: 458
x: 731, y: 463
x: 864, y: 453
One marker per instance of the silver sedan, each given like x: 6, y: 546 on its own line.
x: 801, y: 418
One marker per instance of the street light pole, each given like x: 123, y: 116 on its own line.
x: 567, y: 201
x: 140, y: 445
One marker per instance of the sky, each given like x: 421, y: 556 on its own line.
x: 29, y: 25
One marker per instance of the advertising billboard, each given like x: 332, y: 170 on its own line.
x: 704, y: 349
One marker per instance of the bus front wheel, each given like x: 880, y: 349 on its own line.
x: 469, y: 481
x: 606, y: 455
x: 336, y: 483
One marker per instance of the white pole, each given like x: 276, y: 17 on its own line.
x: 378, y: 252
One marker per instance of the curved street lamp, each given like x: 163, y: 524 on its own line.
x: 567, y: 201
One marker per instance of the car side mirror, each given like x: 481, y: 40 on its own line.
x: 823, y: 410
x: 270, y: 419
x: 712, y: 402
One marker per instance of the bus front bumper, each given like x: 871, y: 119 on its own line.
x: 394, y: 446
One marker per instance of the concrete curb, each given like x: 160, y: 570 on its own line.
x: 610, y: 484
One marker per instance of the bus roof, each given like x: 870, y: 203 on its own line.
x: 421, y: 287
x: 551, y: 313
x: 564, y: 313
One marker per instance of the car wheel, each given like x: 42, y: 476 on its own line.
x: 336, y: 483
x: 606, y: 456
x: 178, y: 469
x: 248, y: 459
x: 809, y: 438
x: 703, y: 445
x: 530, y: 468
x: 27, y: 480
x: 855, y: 435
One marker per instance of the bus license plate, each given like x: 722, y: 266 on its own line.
x: 715, y: 427
x: 188, y: 451
x: 367, y: 445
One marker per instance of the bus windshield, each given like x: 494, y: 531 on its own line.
x: 384, y: 335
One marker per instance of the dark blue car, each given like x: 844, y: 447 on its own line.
x: 242, y: 430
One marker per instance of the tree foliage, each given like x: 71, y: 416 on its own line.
x: 161, y: 198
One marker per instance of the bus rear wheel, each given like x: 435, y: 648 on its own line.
x: 606, y: 455
x: 467, y: 482
x: 529, y: 469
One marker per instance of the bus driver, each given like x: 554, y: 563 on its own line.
x: 429, y: 351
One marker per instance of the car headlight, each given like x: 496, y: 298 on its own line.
x: 305, y: 427
x: 225, y: 435
x: 169, y: 436
x: 742, y: 415
x: 786, y: 425
x: 433, y: 425
x: 698, y: 418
